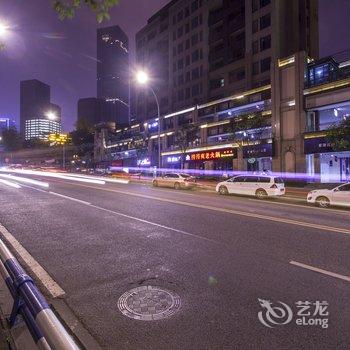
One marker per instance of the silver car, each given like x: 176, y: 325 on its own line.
x: 175, y: 180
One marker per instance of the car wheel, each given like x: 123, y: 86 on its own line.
x: 177, y: 186
x: 223, y: 190
x: 155, y: 183
x: 322, y: 202
x: 261, y: 194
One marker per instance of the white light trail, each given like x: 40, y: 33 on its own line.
x: 53, y: 175
x: 9, y: 183
x: 25, y: 180
x: 119, y: 181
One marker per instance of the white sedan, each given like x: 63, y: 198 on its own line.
x: 175, y: 180
x: 337, y: 196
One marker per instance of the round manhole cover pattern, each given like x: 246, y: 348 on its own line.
x: 149, y: 303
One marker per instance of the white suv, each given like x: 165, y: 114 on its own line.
x: 261, y: 186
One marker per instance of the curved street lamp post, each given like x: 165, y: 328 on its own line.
x: 142, y: 79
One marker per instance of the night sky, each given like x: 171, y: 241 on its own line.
x: 62, y: 54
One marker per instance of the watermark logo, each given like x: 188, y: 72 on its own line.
x: 273, y: 315
x: 306, y: 313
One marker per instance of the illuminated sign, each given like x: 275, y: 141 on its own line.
x: 173, y: 159
x: 144, y: 162
x: 58, y: 139
x: 152, y: 125
x: 258, y: 151
x: 213, y: 154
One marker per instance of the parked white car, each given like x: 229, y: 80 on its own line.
x: 339, y: 195
x: 261, y: 186
x: 175, y: 180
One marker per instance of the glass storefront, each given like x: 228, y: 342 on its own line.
x: 263, y: 164
x: 335, y: 167
x: 324, y: 117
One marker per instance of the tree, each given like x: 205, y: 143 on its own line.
x: 83, y: 138
x: 67, y: 8
x: 139, y: 145
x: 239, y: 127
x: 339, y: 135
x: 183, y: 136
x: 35, y: 143
x: 11, y: 140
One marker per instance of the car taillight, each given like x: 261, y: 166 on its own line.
x: 274, y: 186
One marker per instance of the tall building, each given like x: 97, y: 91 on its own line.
x: 38, y: 116
x: 95, y: 110
x: 197, y: 50
x: 90, y: 110
x: 113, y: 72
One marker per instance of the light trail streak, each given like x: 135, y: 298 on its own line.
x: 9, y: 183
x: 26, y: 180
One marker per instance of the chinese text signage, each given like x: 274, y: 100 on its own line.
x: 213, y: 154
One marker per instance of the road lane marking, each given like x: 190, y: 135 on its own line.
x: 153, y: 224
x: 130, y: 217
x: 36, y: 269
x: 316, y: 269
x: 232, y: 198
x: 70, y: 198
x: 230, y: 211
x: 320, y: 210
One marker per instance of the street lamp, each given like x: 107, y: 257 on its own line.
x: 142, y: 78
x: 51, y: 115
x: 3, y: 34
x: 3, y: 30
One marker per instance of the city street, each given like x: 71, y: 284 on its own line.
x: 219, y: 254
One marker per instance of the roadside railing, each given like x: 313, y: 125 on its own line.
x: 43, y: 325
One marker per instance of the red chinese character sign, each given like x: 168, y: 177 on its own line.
x: 213, y: 154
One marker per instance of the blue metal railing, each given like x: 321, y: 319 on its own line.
x: 43, y: 325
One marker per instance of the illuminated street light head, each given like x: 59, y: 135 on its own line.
x: 3, y: 29
x: 142, y: 77
x: 51, y: 115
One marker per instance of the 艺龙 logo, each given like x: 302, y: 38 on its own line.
x: 273, y: 315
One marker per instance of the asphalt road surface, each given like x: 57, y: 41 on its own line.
x: 220, y: 255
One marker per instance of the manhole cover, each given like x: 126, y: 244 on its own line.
x: 148, y: 303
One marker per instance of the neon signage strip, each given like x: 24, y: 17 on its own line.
x: 179, y: 112
x: 235, y: 97
x: 199, y: 149
x: 286, y: 61
x: 329, y: 86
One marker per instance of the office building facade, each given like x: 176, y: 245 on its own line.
x: 113, y: 72
x: 279, y: 127
x: 197, y: 50
x: 38, y: 116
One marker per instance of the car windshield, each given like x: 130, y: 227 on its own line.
x: 185, y: 175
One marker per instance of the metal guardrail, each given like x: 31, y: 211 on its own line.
x: 45, y: 328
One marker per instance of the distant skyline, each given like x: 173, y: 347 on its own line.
x: 63, y: 54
